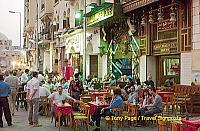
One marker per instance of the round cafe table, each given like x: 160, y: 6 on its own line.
x: 93, y: 95
x: 94, y: 106
x: 62, y: 110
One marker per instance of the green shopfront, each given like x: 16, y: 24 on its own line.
x: 116, y: 56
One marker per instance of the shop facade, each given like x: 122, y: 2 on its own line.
x: 107, y: 18
x: 164, y: 33
x: 72, y: 53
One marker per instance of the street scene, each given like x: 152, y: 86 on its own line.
x: 100, y: 65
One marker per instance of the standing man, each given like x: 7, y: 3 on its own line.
x: 33, y: 99
x: 4, y: 105
x: 13, y: 82
x: 24, y: 77
x: 24, y: 80
x: 76, y: 90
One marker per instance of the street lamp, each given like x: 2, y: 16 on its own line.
x: 19, y: 25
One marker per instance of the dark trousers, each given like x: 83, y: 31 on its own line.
x: 96, y: 117
x: 4, y: 108
x: 76, y: 95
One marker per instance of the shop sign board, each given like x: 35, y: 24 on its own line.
x: 100, y: 16
x: 73, y: 41
x: 165, y: 47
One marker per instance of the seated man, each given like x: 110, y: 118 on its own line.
x: 133, y: 96
x: 43, y: 93
x: 156, y: 106
x: 117, y: 102
x: 58, y: 97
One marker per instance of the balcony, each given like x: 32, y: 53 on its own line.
x: 46, y: 11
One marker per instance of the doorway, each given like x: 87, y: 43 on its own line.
x: 94, y: 65
x: 169, y: 66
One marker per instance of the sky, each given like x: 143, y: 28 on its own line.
x: 9, y: 23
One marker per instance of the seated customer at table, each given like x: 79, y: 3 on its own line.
x: 133, y: 96
x: 146, y: 99
x: 43, y: 91
x: 117, y: 102
x: 124, y: 95
x: 149, y: 82
x: 58, y: 97
x: 156, y: 106
x: 169, y: 82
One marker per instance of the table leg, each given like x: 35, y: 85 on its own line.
x: 70, y: 120
x: 59, y: 120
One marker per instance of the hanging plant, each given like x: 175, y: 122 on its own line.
x: 102, y: 50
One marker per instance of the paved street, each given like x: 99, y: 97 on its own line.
x: 20, y: 123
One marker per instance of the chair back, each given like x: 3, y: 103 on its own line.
x: 117, y: 111
x: 85, y: 109
x: 132, y: 109
x: 43, y: 99
x: 175, y: 126
x: 162, y: 126
x: 195, y: 98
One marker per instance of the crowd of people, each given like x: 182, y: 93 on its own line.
x: 36, y: 85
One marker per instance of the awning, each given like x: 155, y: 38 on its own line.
x: 104, y: 13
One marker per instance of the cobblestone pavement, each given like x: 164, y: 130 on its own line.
x: 20, y: 123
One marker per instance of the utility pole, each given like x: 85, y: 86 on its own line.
x: 85, y: 43
x: 37, y: 37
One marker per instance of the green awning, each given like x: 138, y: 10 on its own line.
x: 98, y: 9
x: 104, y: 13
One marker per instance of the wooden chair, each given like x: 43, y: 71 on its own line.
x: 180, y: 100
x: 162, y: 126
x: 118, y: 113
x: 169, y: 102
x: 86, y: 99
x: 194, y: 102
x: 131, y: 113
x: 45, y: 106
x: 83, y: 119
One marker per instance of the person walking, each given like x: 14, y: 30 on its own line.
x: 33, y: 99
x: 13, y: 82
x: 4, y: 105
x: 24, y: 79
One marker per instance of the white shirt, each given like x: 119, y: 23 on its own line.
x: 32, y: 85
x: 43, y: 91
x: 24, y: 78
x: 40, y: 77
x: 57, y: 98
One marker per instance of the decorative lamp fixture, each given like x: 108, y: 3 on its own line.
x: 160, y: 15
x: 133, y: 25
x: 172, y: 14
x: 151, y: 20
x: 143, y: 22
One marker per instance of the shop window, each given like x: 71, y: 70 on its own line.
x: 171, y: 66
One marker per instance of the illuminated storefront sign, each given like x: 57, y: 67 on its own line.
x: 100, y: 16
